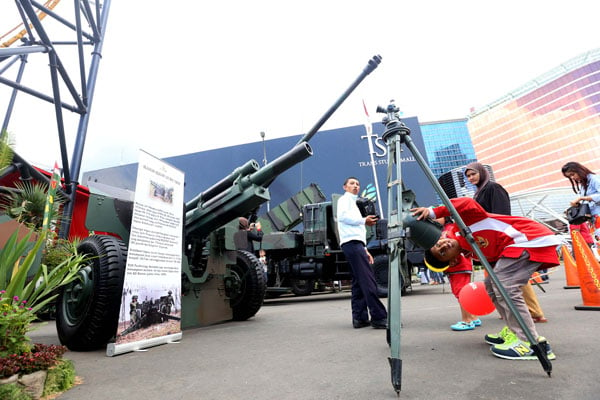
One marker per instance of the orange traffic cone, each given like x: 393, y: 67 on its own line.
x: 589, y: 273
x: 570, y: 269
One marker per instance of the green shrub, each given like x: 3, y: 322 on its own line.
x: 60, y: 377
x: 12, y: 392
x: 15, y: 322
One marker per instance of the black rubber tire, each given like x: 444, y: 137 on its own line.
x: 87, y: 311
x: 381, y: 265
x: 302, y: 287
x: 273, y: 295
x: 250, y: 277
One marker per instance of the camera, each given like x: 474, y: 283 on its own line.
x: 367, y: 207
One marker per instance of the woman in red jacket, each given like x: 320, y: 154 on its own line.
x: 518, y: 246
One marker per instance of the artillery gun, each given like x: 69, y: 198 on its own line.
x: 219, y: 283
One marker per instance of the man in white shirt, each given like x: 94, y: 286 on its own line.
x: 353, y: 233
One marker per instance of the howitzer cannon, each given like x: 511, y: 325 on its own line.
x: 219, y: 282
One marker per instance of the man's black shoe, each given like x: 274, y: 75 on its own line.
x: 360, y: 324
x: 379, y: 324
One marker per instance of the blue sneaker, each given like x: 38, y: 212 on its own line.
x: 462, y: 326
x: 520, y: 350
x: 476, y: 322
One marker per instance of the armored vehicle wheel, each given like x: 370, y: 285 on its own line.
x: 380, y: 269
x: 302, y: 287
x: 251, y: 286
x: 88, y: 308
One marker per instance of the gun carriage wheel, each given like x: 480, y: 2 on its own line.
x: 250, y: 286
x: 88, y: 309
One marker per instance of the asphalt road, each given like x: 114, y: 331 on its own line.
x: 306, y: 348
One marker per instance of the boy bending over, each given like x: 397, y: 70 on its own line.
x: 516, y: 247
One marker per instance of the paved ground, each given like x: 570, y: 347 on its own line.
x: 306, y: 348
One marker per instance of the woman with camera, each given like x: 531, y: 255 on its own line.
x: 586, y: 184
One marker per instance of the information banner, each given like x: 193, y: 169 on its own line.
x: 151, y: 302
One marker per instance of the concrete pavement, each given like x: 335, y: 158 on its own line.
x: 306, y: 348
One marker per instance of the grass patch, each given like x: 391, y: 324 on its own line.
x: 60, y: 378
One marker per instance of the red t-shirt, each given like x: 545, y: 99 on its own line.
x: 502, y: 235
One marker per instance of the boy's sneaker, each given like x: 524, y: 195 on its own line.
x: 521, y: 350
x: 505, y: 335
x: 462, y: 326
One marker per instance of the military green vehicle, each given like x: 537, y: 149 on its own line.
x: 299, y: 261
x: 218, y: 282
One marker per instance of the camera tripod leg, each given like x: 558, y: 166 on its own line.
x: 397, y: 260
x: 395, y: 134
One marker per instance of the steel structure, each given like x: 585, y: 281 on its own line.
x: 85, y: 23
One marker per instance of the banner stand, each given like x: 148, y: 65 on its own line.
x: 150, y: 312
x: 116, y: 349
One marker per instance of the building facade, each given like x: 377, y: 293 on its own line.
x: 448, y: 145
x: 530, y: 133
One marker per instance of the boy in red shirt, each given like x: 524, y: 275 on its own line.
x: 517, y: 247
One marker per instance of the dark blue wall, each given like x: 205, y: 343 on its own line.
x: 337, y: 154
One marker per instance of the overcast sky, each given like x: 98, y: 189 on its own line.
x: 188, y: 76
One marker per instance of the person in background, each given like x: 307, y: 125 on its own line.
x: 584, y: 229
x: 518, y: 247
x: 495, y: 199
x: 247, y: 234
x: 424, y: 275
x: 586, y: 184
x: 489, y: 194
x: 353, y: 236
x: 438, y: 278
x: 262, y: 257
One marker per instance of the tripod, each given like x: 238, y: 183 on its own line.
x: 399, y: 204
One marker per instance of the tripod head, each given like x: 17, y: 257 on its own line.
x: 393, y: 123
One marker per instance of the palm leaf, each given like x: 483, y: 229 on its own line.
x: 17, y: 282
x: 10, y: 255
x: 6, y: 151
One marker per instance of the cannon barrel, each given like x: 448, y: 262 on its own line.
x: 243, y: 196
x: 240, y: 193
x: 225, y: 183
x: 371, y: 65
x: 281, y: 164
